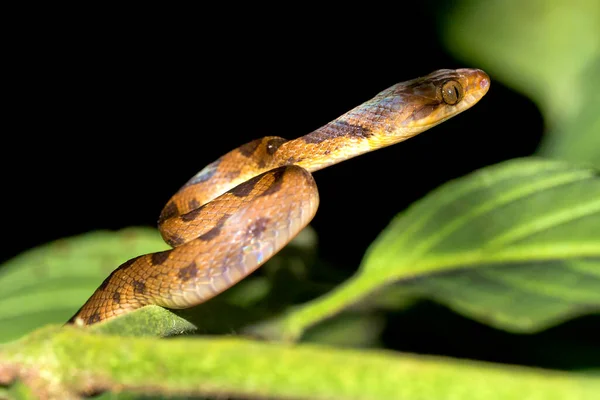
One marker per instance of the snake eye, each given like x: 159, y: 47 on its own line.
x: 452, y: 92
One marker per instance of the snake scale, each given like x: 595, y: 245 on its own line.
x: 240, y: 210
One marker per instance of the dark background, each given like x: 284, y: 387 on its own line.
x: 107, y: 121
x: 107, y: 118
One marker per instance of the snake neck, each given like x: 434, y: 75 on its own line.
x: 367, y: 127
x: 392, y: 116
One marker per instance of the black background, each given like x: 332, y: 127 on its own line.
x: 108, y: 121
x: 108, y: 117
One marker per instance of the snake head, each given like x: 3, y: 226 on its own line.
x: 430, y: 100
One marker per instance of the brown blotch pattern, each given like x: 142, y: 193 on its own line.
x: 274, y: 144
x: 422, y: 112
x: 175, y: 240
x: 214, y: 232
x: 116, y: 297
x: 169, y: 211
x: 337, y: 129
x: 249, y: 148
x: 190, y: 216
x: 138, y: 286
x: 244, y: 189
x: 277, y: 181
x: 257, y: 227
x: 160, y: 257
x: 193, y: 203
x: 189, y: 272
x: 316, y: 137
x: 92, y: 319
x: 358, y: 131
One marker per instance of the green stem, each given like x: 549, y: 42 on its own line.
x: 65, y: 362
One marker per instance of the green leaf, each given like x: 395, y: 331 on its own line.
x: 146, y: 321
x: 516, y: 246
x: 49, y: 284
x: 549, y: 51
x: 578, y: 137
x: 63, y: 362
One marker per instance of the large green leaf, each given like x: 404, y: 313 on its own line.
x: 61, y: 363
x: 547, y: 50
x: 49, y: 284
x: 516, y: 245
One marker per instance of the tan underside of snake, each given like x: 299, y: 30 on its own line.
x: 243, y: 208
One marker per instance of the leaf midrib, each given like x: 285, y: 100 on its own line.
x: 521, y: 254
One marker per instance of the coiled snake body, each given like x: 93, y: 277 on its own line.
x: 240, y: 210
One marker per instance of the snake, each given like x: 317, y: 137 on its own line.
x: 241, y: 209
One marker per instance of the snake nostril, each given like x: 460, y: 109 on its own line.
x: 484, y: 83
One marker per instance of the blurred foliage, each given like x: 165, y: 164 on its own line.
x: 549, y: 50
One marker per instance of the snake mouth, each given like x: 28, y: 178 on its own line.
x: 477, y: 85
